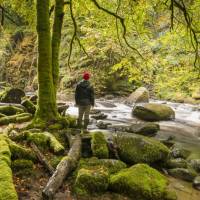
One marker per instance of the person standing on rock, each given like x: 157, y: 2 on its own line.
x: 84, y: 98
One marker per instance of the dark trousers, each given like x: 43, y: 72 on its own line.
x: 83, y: 111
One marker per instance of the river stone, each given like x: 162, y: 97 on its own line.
x: 196, y: 183
x: 12, y: 95
x: 154, y: 112
x: 195, y: 163
x: 102, y: 125
x: 141, y: 95
x: 140, y: 182
x: 134, y: 149
x: 179, y: 152
x: 99, y: 116
x: 147, y: 129
x: 177, y: 163
x: 182, y: 173
x: 90, y: 181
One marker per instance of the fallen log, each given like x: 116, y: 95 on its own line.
x: 42, y: 158
x: 63, y: 169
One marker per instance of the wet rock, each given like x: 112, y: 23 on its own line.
x: 182, y: 173
x: 90, y: 181
x: 147, y: 129
x: 109, y: 96
x: 154, y: 112
x: 141, y: 95
x: 140, y: 149
x: 195, y: 164
x: 196, y: 183
x: 107, y: 104
x: 177, y: 163
x: 95, y: 112
x: 62, y: 109
x: 99, y: 116
x: 179, y: 152
x: 102, y: 125
x: 12, y: 95
x: 141, y: 182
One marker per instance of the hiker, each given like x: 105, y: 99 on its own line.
x: 84, y: 98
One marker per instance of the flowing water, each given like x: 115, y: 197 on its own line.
x: 185, y: 129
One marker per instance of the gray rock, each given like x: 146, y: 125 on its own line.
x: 179, y: 152
x: 196, y: 183
x: 141, y: 95
x: 177, y: 163
x: 99, y: 116
x: 195, y: 164
x: 182, y: 173
x: 102, y: 125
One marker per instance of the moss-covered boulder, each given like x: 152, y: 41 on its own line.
x: 177, y: 151
x: 147, y: 129
x: 12, y: 95
x: 195, y: 164
x: 99, y: 145
x: 154, y: 112
x: 141, y: 95
x: 30, y: 107
x: 113, y: 166
x: 20, y: 118
x: 182, y: 173
x: 134, y: 149
x: 140, y: 182
x: 10, y: 110
x: 176, y: 163
x: 7, y: 189
x: 90, y: 181
x: 45, y: 140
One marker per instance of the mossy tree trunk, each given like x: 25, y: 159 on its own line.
x: 56, y: 39
x: 47, y: 109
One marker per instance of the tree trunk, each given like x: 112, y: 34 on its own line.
x: 56, y: 39
x: 63, y: 169
x: 47, y: 108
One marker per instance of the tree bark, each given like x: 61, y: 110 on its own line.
x: 56, y: 39
x: 47, y: 108
x: 42, y: 159
x: 63, y: 169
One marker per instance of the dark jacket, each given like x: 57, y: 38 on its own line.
x: 84, y: 94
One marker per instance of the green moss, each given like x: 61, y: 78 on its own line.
x: 99, y: 145
x: 7, y: 189
x: 140, y: 182
x: 20, y: 152
x: 15, y: 118
x: 154, y: 112
x: 90, y: 181
x: 21, y: 164
x: 30, y: 107
x: 113, y: 166
x: 10, y: 110
x: 140, y: 149
x: 55, y: 161
x: 45, y: 140
x: 72, y: 121
x: 55, y: 126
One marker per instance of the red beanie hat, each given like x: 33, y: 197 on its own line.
x: 86, y: 76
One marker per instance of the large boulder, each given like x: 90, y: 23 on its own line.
x: 134, y: 149
x: 177, y: 163
x: 154, y: 112
x: 12, y: 95
x: 141, y: 182
x: 195, y: 163
x: 184, y: 174
x: 196, y: 183
x: 141, y: 95
x: 89, y: 181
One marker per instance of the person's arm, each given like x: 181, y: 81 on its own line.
x: 92, y: 96
x: 76, y: 95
